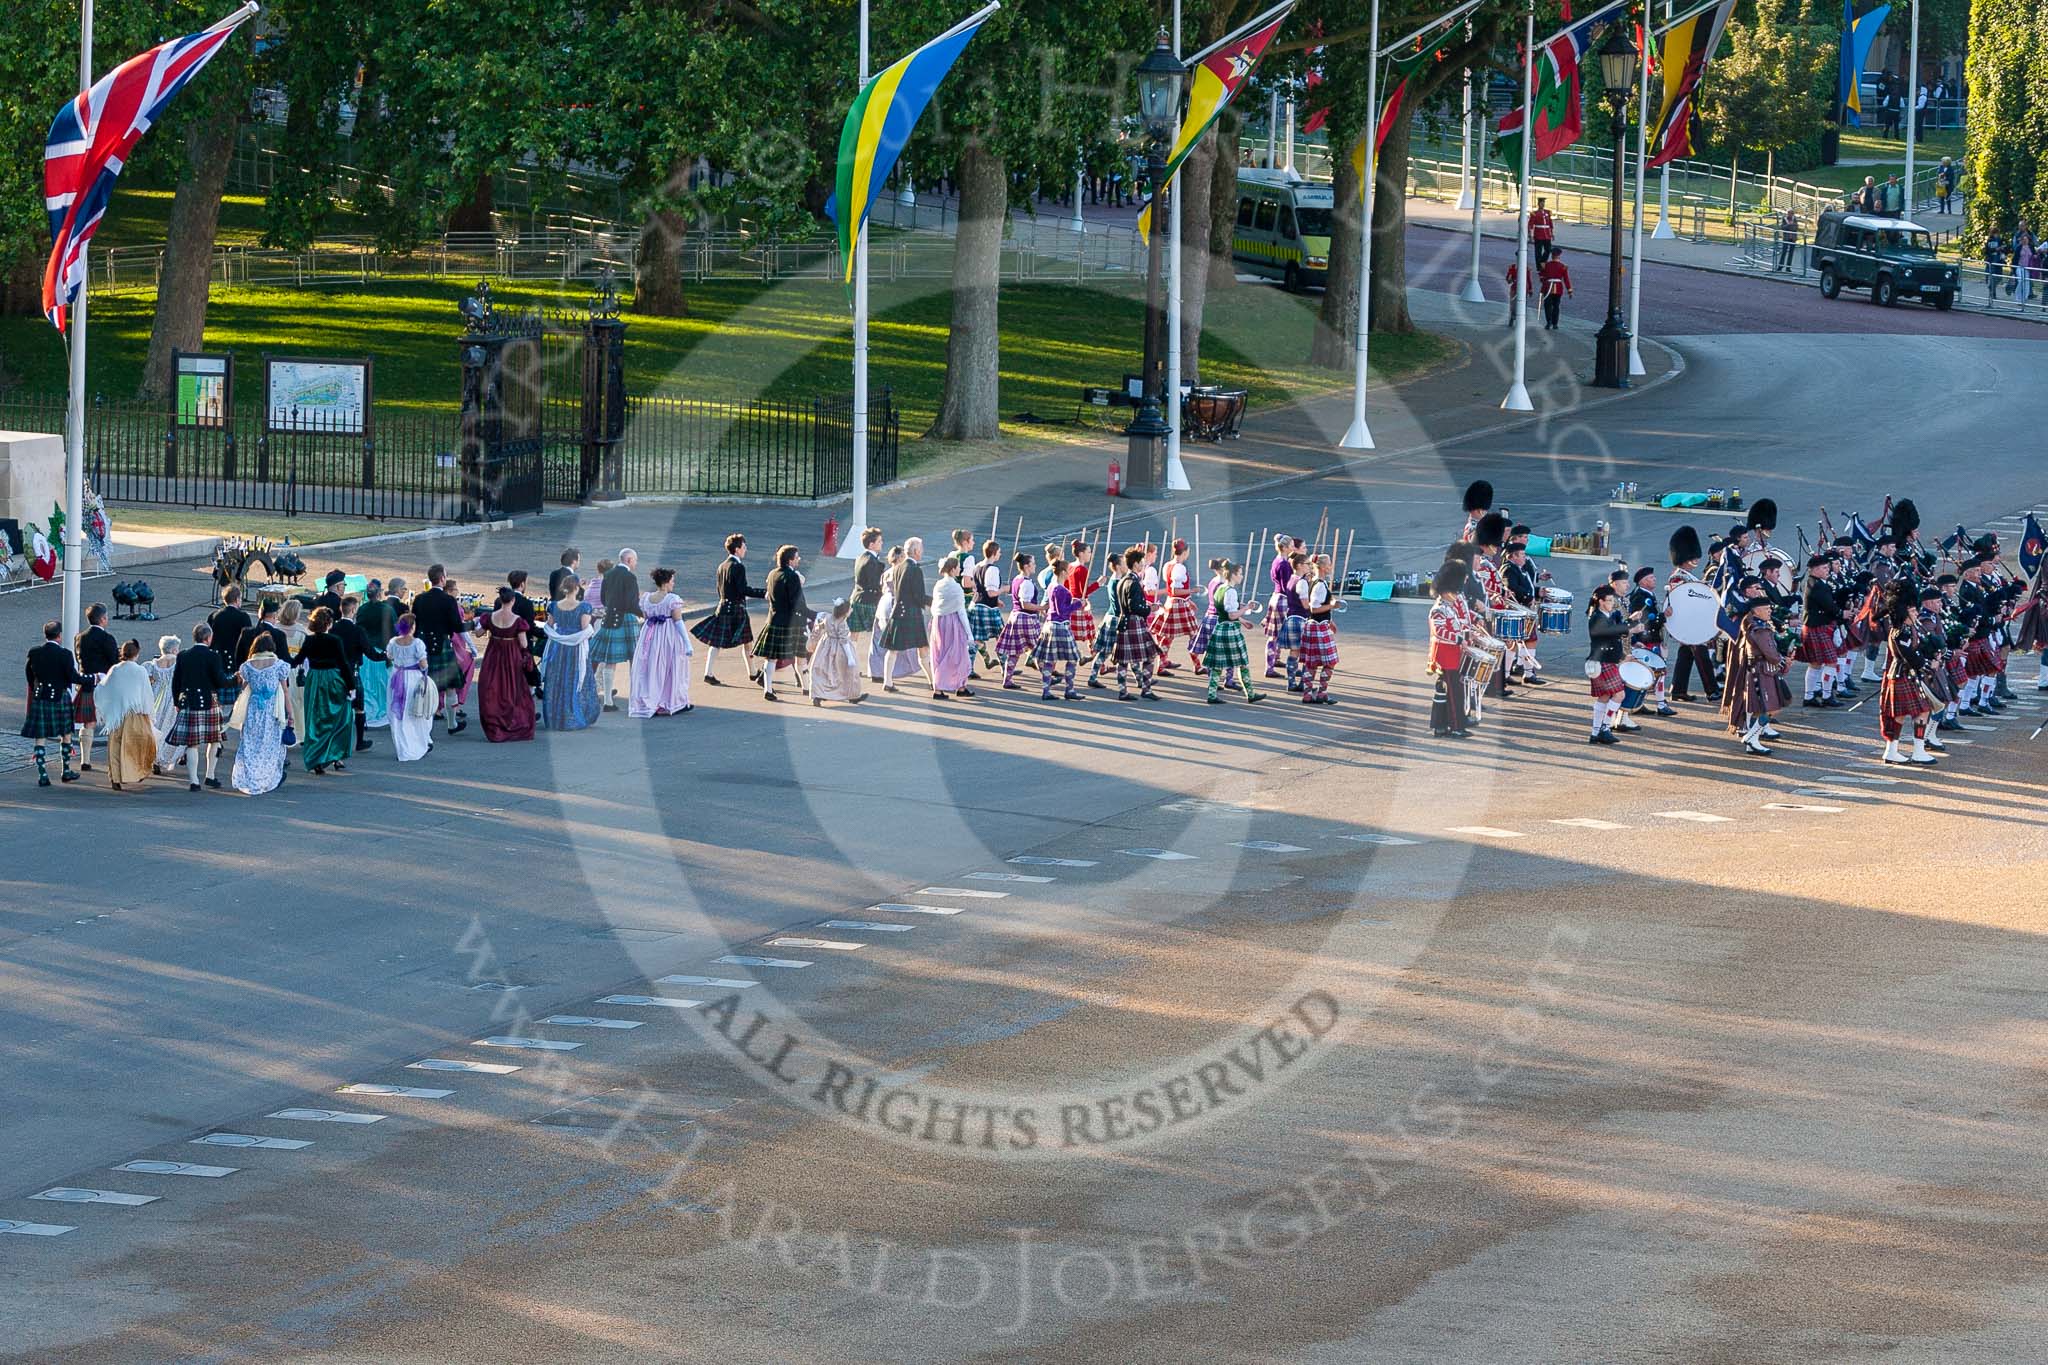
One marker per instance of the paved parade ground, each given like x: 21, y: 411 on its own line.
x: 1003, y: 1030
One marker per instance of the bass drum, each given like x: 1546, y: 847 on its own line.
x: 1692, y: 614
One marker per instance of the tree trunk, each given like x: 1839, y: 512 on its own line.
x: 21, y: 281
x: 658, y: 290
x: 968, y: 410
x: 180, y: 323
x: 1390, y: 234
x: 474, y: 214
x: 1337, y: 323
x: 1194, y: 182
x: 1223, y: 203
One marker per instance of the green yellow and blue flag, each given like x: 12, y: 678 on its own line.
x: 879, y: 124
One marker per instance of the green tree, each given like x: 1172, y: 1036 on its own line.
x: 1768, y: 88
x: 2007, y: 76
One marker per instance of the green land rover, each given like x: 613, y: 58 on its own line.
x: 1893, y: 258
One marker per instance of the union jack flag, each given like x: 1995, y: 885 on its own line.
x: 90, y: 141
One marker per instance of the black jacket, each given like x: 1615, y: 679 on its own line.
x: 98, y: 650
x: 356, y: 643
x: 1521, y: 580
x: 229, y: 624
x: 278, y: 646
x: 199, y: 676
x: 1608, y: 632
x: 51, y: 669
x: 909, y: 589
x: 438, y: 618
x: 378, y: 621
x: 324, y: 652
x: 786, y: 597
x: 620, y: 595
x: 1131, y: 602
x: 732, y: 582
x: 867, y: 578
x: 1823, y: 608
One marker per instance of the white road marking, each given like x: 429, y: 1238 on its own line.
x: 64, y: 1194
x: 529, y: 1044
x: 867, y: 924
x: 1159, y: 855
x: 1006, y: 877
x: 967, y: 891
x: 742, y: 960
x: 1827, y: 791
x: 591, y: 1021
x: 1267, y: 846
x: 723, y: 983
x: 1953, y: 740
x: 1793, y: 805
x: 900, y: 908
x: 1033, y: 860
x: 1587, y: 822
x: 251, y: 1140
x: 1390, y: 840
x: 1487, y: 831
x: 1698, y: 817
x: 665, y: 1001
x: 328, y: 1116
x: 832, y: 944
x: 448, y: 1064
x: 399, y: 1092
x: 175, y: 1168
x: 33, y: 1229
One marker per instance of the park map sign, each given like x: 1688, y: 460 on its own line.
x: 316, y: 395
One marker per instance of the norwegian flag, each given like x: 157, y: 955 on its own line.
x: 90, y: 141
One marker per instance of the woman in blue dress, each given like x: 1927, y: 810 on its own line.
x: 269, y: 702
x: 568, y: 677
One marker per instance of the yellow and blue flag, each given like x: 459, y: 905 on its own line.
x: 879, y: 124
x: 1857, y: 36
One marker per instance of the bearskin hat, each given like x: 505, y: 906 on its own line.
x: 1491, y: 532
x: 1685, y: 545
x: 1905, y: 519
x: 1451, y: 577
x: 1763, y: 515
x: 1479, y: 496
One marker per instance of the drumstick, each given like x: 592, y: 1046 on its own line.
x: 1173, y: 533
x: 1017, y: 541
x: 1345, y: 576
x: 1198, y: 543
x: 995, y: 520
x: 1108, y: 543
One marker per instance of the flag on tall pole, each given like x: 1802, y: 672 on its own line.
x: 1857, y: 36
x: 1404, y: 68
x: 879, y: 124
x: 1553, y: 106
x: 91, y: 138
x: 1216, y: 74
x: 2033, y: 546
x: 1688, y: 45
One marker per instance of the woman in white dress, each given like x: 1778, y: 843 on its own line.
x: 661, y: 663
x: 414, y: 699
x: 165, y: 704
x: 269, y: 702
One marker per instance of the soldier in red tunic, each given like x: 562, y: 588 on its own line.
x: 1557, y: 283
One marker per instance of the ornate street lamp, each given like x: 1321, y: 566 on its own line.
x: 1159, y: 84
x: 1618, y: 80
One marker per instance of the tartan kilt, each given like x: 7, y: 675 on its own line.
x: 1900, y: 698
x: 1288, y: 632
x: 1056, y: 646
x: 1105, y: 635
x: 195, y: 727
x: 48, y: 718
x: 1980, y: 660
x: 1174, y: 616
x: 1203, y: 632
x: 614, y: 644
x: 1958, y: 668
x: 443, y: 667
x: 1225, y: 648
x: 860, y: 617
x: 984, y: 622
x: 82, y: 712
x: 1319, y: 645
x: 726, y: 627
x: 1082, y: 622
x: 1609, y: 683
x: 1019, y: 636
x: 782, y: 640
x: 1134, y: 643
x: 1817, y: 646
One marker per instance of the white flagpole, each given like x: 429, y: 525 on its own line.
x: 857, y: 519
x: 1465, y: 146
x: 1359, y: 437
x: 1476, y: 192
x: 74, y: 426
x: 1518, y: 392
x: 1912, y: 111
x: 1176, y: 474
x: 1664, y: 232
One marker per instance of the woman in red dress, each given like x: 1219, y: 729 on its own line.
x: 505, y: 688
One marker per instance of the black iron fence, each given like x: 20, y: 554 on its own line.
x: 768, y: 448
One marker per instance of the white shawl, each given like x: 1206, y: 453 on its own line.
x: 126, y: 692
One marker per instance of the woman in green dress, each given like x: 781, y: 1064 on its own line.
x: 330, y: 682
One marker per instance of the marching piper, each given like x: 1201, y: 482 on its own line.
x: 1823, y: 615
x: 1755, y: 689
x: 1903, y: 699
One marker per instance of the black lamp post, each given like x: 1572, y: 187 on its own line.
x: 1618, y: 79
x: 1159, y: 82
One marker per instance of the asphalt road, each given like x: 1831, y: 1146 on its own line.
x: 1512, y: 1049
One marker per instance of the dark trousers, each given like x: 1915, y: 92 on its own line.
x: 1551, y: 304
x: 1681, y: 668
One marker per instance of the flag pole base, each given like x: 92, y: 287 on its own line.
x: 1473, y: 293
x: 1177, y: 476
x: 1663, y: 232
x: 1517, y: 399
x: 1635, y: 359
x: 1465, y: 201
x: 1359, y: 437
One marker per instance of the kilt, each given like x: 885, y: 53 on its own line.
x: 984, y: 622
x: 1202, y: 633
x: 195, y: 727
x: 860, y: 617
x: 48, y: 718
x: 1174, y: 616
x: 1980, y: 660
x: 725, y: 627
x: 784, y: 639
x: 1225, y: 649
x: 1134, y: 643
x: 1318, y: 645
x: 443, y: 667
x: 614, y: 644
x: 1105, y: 635
x: 1288, y: 631
x: 1056, y: 646
x: 82, y: 712
x: 1082, y: 622
x: 1900, y: 698
x: 1019, y: 636
x: 1817, y: 646
x: 1609, y: 683
x: 904, y: 630
x: 1958, y: 668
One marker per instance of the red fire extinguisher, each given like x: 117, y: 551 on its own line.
x: 831, y: 536
x: 1116, y: 479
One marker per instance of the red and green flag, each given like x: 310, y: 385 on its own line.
x: 1554, y: 106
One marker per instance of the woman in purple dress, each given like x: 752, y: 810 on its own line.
x: 661, y: 665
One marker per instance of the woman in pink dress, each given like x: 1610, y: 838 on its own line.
x: 661, y: 665
x: 952, y: 638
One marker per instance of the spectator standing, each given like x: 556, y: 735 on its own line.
x: 1994, y: 263
x: 1788, y: 238
x: 1945, y: 185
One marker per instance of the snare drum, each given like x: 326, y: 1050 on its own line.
x: 1555, y: 618
x: 1479, y: 666
x: 1636, y: 681
x: 1515, y: 625
x: 1648, y: 658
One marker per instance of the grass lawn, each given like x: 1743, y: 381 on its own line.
x: 1887, y: 157
x: 745, y: 339
x: 303, y: 530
